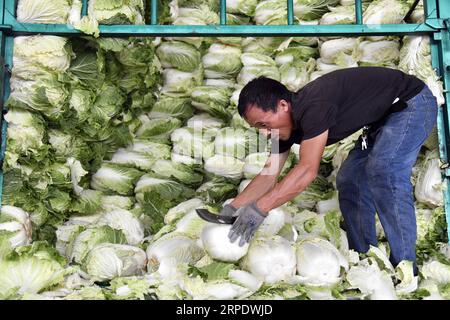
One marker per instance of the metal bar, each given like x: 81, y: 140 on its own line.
x: 444, y: 8
x: 2, y: 80
x: 9, y: 17
x: 8, y: 48
x: 84, y: 8
x: 431, y: 13
x: 3, y: 97
x: 441, y: 9
x: 154, y: 12
x: 223, y: 12
x: 290, y: 11
x: 436, y: 52
x: 358, y: 11
x: 442, y: 127
x: 445, y: 68
x: 5, y: 28
x: 228, y: 30
x: 2, y: 10
x: 430, y: 8
x: 8, y: 54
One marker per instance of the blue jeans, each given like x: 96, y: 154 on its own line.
x: 377, y: 180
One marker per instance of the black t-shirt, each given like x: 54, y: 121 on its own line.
x: 345, y: 100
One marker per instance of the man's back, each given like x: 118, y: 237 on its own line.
x: 345, y: 100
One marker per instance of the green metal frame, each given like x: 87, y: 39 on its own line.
x: 436, y: 25
x: 12, y: 26
x: 440, y: 53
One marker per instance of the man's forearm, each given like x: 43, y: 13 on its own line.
x: 259, y: 186
x: 294, y: 183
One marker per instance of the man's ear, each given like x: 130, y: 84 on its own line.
x: 283, y: 106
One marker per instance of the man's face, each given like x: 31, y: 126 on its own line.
x: 276, y: 124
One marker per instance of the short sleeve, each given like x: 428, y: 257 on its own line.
x: 281, y: 146
x: 317, y: 118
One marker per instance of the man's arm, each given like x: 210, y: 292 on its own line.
x: 263, y: 182
x: 299, y: 177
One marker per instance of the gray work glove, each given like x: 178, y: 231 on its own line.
x: 228, y: 210
x: 245, y: 226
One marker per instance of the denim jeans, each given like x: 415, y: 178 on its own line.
x: 377, y: 180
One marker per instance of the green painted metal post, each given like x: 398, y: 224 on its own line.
x: 430, y: 9
x: 8, y: 55
x: 84, y: 8
x: 431, y: 13
x: 444, y: 8
x: 444, y: 57
x: 154, y: 12
x: 9, y: 14
x: 223, y: 12
x: 7, y: 50
x: 2, y: 11
x: 290, y: 12
x: 443, y: 132
x: 446, y: 77
x: 2, y: 95
x: 442, y: 125
x: 4, y: 87
x: 358, y: 11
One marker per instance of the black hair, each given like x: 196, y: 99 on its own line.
x: 263, y: 93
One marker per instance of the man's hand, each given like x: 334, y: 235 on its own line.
x: 228, y: 210
x: 249, y: 219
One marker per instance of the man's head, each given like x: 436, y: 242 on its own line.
x: 266, y: 104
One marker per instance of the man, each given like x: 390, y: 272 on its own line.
x: 397, y: 112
